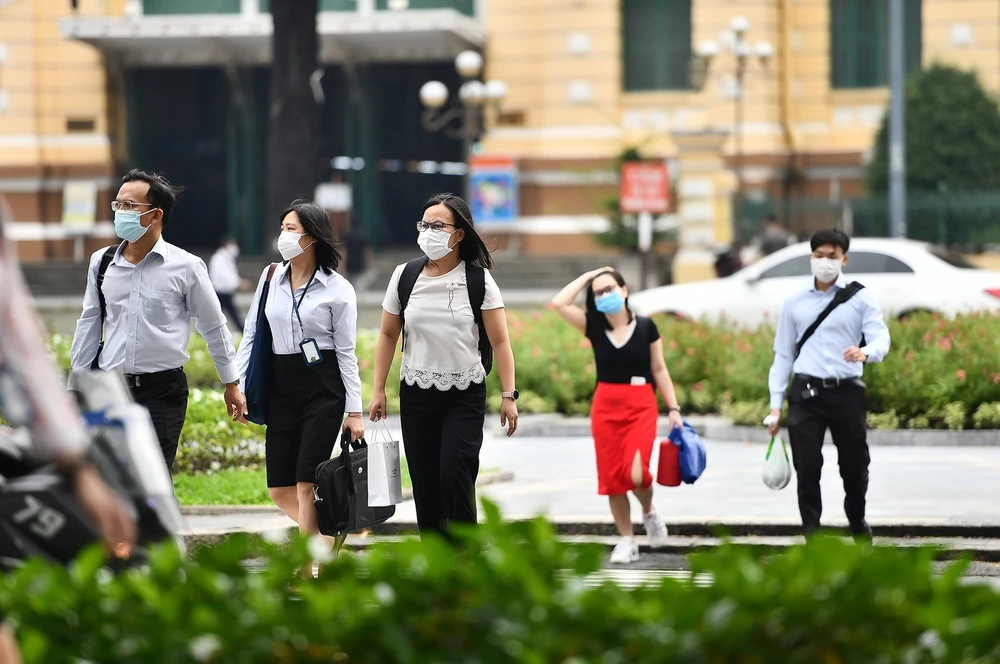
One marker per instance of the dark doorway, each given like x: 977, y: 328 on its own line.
x: 177, y: 127
x: 374, y: 113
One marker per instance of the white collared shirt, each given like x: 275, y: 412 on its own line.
x: 150, y: 306
x: 329, y: 314
x: 222, y: 269
x: 822, y: 355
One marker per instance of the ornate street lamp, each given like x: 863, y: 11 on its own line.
x: 464, y: 121
x: 701, y: 64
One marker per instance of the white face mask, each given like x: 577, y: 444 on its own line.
x: 826, y: 270
x: 434, y: 244
x: 288, y: 245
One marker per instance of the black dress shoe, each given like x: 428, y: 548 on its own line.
x: 862, y: 532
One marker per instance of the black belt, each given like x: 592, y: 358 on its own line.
x: 150, y: 379
x: 830, y: 383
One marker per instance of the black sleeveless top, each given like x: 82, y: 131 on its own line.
x: 619, y: 365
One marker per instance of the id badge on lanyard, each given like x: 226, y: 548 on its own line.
x: 309, y: 348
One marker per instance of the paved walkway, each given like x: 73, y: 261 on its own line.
x: 556, y: 477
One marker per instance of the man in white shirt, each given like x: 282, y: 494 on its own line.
x: 826, y: 387
x: 226, y: 279
x: 151, y: 290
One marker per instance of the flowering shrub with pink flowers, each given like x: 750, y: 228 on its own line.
x: 940, y: 373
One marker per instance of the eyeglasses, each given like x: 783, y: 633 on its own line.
x: 126, y: 206
x: 438, y: 226
x: 604, y: 291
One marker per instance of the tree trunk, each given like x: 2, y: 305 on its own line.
x: 293, y: 128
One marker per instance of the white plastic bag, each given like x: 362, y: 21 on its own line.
x: 777, y: 468
x: 384, y: 479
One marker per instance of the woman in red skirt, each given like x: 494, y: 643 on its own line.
x: 629, y: 357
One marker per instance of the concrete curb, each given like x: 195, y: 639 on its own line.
x: 721, y: 429
x: 484, y: 479
x: 745, y: 529
x: 982, y: 550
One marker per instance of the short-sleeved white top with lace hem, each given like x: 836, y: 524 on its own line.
x: 441, y: 338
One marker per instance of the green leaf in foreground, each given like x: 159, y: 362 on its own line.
x: 503, y: 592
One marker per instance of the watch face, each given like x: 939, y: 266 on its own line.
x: 515, y: 394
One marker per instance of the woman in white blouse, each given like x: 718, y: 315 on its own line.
x: 442, y: 396
x: 313, y: 314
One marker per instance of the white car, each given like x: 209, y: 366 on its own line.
x: 903, y: 276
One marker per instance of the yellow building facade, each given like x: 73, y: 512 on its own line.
x: 810, y: 111
x: 587, y: 79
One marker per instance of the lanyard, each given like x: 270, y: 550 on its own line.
x: 296, y: 305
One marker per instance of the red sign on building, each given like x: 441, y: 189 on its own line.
x: 645, y: 187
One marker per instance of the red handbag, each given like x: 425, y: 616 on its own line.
x: 668, y: 471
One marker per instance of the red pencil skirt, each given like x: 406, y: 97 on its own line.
x: 622, y: 421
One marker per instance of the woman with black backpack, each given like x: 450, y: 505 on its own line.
x: 451, y: 314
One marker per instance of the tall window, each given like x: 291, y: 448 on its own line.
x: 859, y: 41
x: 656, y: 44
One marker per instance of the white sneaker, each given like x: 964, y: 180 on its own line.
x: 656, y: 530
x: 626, y: 551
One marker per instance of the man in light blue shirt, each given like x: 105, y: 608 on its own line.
x: 825, y: 370
x: 149, y: 292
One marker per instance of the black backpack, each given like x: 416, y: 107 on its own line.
x: 475, y: 275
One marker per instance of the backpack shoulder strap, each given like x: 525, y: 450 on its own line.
x: 475, y: 278
x: 270, y: 271
x: 844, y: 295
x: 475, y: 275
x: 106, y: 258
x: 407, y: 280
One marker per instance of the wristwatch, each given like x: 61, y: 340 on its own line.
x: 513, y: 394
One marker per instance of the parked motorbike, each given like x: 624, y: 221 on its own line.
x: 39, y: 513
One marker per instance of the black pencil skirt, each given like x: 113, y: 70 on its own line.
x: 305, y: 414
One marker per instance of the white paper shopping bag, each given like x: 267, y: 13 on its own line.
x: 385, y: 482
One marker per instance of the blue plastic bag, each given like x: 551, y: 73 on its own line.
x: 691, y: 456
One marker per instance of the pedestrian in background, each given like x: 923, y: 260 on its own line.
x: 313, y: 314
x: 225, y: 275
x: 150, y: 290
x: 774, y: 236
x: 442, y: 391
x: 826, y: 389
x: 628, y: 353
x: 359, y: 264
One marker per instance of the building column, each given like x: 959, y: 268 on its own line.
x: 704, y: 189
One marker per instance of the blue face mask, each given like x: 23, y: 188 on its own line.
x: 610, y: 303
x: 127, y: 225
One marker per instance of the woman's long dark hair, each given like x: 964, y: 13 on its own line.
x: 472, y: 248
x: 596, y: 321
x: 316, y: 223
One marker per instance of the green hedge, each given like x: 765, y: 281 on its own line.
x: 939, y: 374
x: 508, y: 593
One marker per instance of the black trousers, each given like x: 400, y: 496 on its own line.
x: 166, y: 402
x: 442, y: 436
x: 228, y: 302
x: 844, y: 411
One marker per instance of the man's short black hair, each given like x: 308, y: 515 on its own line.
x: 830, y: 236
x: 161, y: 194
